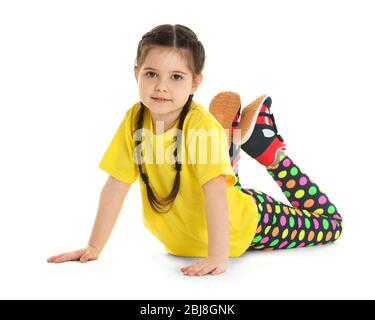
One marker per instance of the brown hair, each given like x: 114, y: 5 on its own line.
x: 179, y: 37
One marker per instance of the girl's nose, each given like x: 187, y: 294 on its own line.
x: 161, y: 85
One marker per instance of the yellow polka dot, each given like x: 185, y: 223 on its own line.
x: 285, y: 233
x: 282, y: 174
x: 300, y: 194
x: 267, y: 230
x: 320, y: 236
x: 301, y: 235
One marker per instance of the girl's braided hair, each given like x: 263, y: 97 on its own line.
x: 179, y: 37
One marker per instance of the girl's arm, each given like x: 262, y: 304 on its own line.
x: 111, y: 199
x: 217, y: 213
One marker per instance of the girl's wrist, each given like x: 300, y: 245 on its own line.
x: 96, y: 248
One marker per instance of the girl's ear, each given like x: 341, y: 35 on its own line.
x: 136, y: 72
x: 196, y: 83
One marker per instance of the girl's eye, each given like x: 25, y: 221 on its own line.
x: 177, y: 76
x: 151, y: 74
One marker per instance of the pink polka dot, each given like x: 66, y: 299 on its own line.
x: 283, y: 244
x: 279, y: 183
x: 316, y: 224
x: 283, y: 220
x: 295, y: 204
x: 264, y: 240
x: 286, y: 163
x: 299, y: 222
x: 269, y: 199
x: 302, y: 181
x: 301, y: 245
x: 333, y: 224
x: 322, y: 200
x: 266, y: 218
x: 336, y: 216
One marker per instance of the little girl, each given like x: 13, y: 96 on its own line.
x: 196, y: 206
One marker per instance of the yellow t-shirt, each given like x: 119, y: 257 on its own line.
x: 183, y: 229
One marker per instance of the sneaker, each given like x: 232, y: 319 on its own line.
x: 226, y: 108
x: 258, y: 136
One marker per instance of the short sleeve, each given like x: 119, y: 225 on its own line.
x: 208, y: 151
x: 118, y: 160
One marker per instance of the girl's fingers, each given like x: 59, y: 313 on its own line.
x: 53, y: 258
x: 200, y: 269
x: 204, y: 271
x: 85, y: 257
x: 70, y: 256
x: 215, y: 271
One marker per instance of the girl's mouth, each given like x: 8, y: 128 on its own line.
x: 160, y: 100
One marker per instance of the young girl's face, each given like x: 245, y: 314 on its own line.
x: 164, y: 74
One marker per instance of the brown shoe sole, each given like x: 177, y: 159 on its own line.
x: 224, y: 107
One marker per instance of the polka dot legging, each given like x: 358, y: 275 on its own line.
x: 311, y: 220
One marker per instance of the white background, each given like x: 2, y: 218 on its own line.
x: 66, y: 80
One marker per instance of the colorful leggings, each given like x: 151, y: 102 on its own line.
x: 311, y: 220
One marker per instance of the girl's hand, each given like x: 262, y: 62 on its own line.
x: 83, y: 255
x: 213, y: 265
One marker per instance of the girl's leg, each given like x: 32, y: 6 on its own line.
x: 311, y: 220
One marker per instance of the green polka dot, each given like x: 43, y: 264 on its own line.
x: 337, y: 234
x: 292, y: 245
x: 259, y: 247
x: 287, y: 194
x: 267, y: 230
x: 278, y: 201
x: 261, y: 199
x: 331, y: 209
x: 257, y: 239
x: 319, y: 211
x: 311, y: 244
x: 307, y: 223
x: 274, y: 220
x: 325, y: 224
x: 282, y: 157
x: 282, y: 174
x: 271, y: 173
x: 301, y: 235
x: 285, y: 233
x: 294, y: 171
x: 260, y: 207
x: 274, y: 243
x: 291, y: 222
x: 292, y: 211
x: 312, y: 190
x: 277, y: 209
x: 320, y: 236
x: 299, y: 194
x: 259, y: 217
